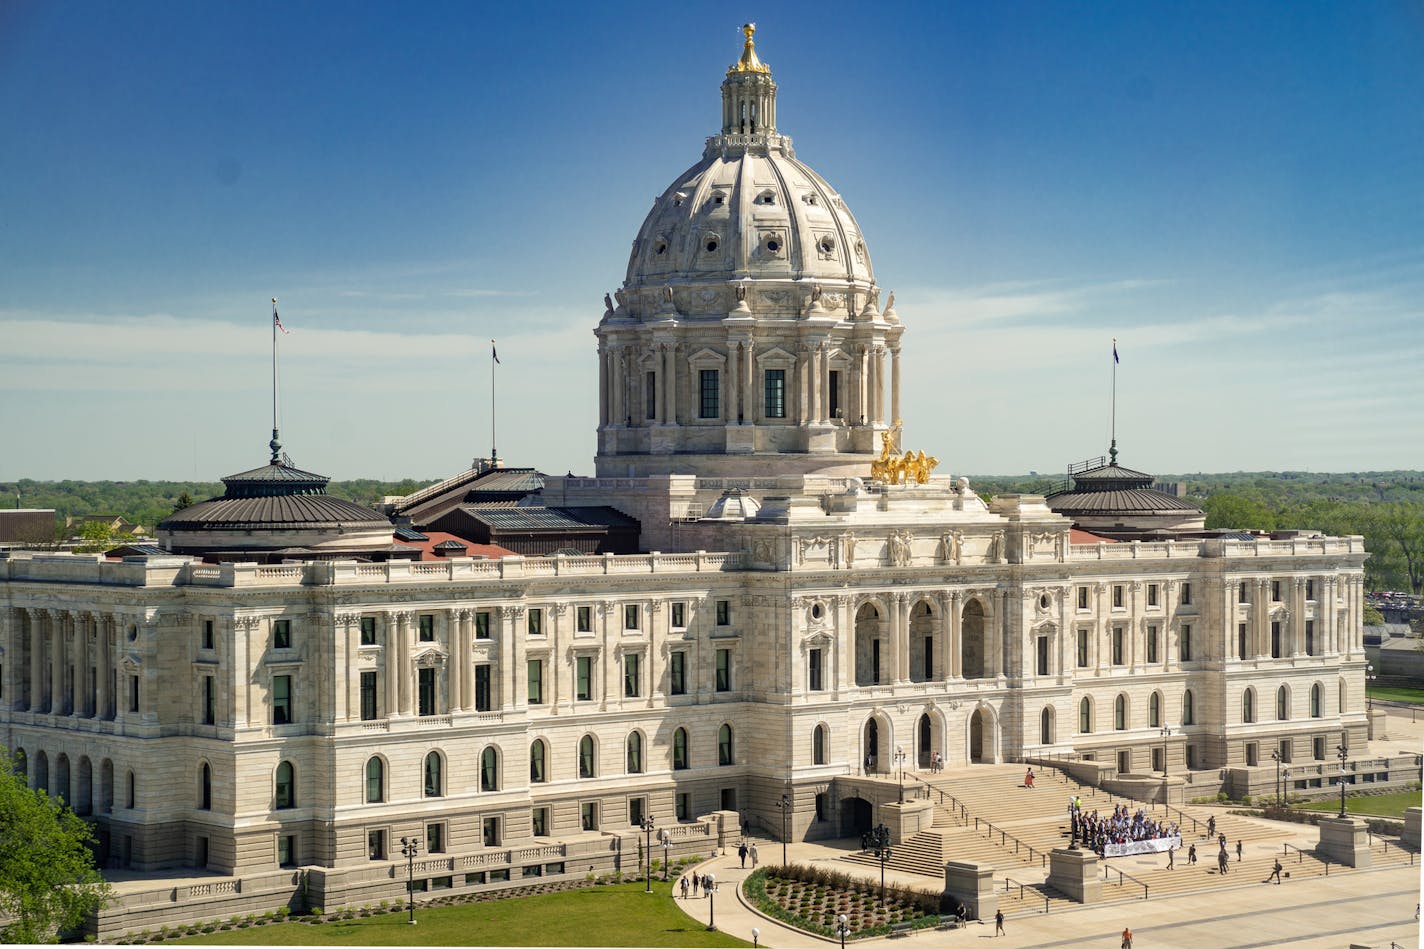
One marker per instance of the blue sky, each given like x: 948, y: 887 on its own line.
x: 1235, y: 191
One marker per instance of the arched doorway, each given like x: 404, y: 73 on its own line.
x: 84, y: 790
x: 856, y: 816
x: 868, y: 658
x: 1046, y: 726
x: 983, y: 746
x: 870, y: 756
x: 924, y: 655
x: 924, y: 740
x: 973, y: 651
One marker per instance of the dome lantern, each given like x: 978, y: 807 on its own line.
x: 749, y: 95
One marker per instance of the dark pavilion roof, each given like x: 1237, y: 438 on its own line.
x: 275, y: 496
x: 1113, y: 489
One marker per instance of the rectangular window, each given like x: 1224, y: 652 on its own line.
x: 1082, y: 598
x: 1043, y: 655
x: 539, y: 821
x: 1275, y: 591
x: 426, y: 626
x: 636, y: 808
x: 282, y: 634
x: 677, y: 672
x: 482, y: 624
x: 1152, y: 644
x: 588, y: 815
x: 1309, y: 589
x: 729, y: 799
x: 1186, y: 642
x: 1253, y: 753
x: 368, y: 696
x: 583, y: 678
x: 833, y: 394
x: 534, y: 622
x: 484, y: 699
x: 281, y: 700
x: 928, y: 669
x: 632, y: 681
x: 286, y: 850
x: 679, y: 616
x: 489, y: 829
x: 813, y: 668
x: 1275, y: 639
x: 1152, y: 594
x: 1117, y: 645
x: 724, y: 612
x: 1117, y: 596
x: 368, y: 631
x: 434, y: 838
x: 650, y: 394
x: 1241, y: 640
x: 425, y: 680
x: 1186, y: 594
x: 209, y: 700
x: 1310, y: 637
x: 536, y: 681
x: 583, y: 619
x: 724, y: 670
x: 1318, y: 747
x: 708, y: 403
x: 875, y: 662
x: 1241, y: 594
x: 774, y: 394
x: 682, y: 805
x: 376, y: 844
x: 207, y: 634
x: 630, y: 616
x: 133, y: 693
x: 1082, y: 649
x: 1284, y: 750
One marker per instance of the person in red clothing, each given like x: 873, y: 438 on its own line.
x: 1028, y: 779
x: 1126, y: 938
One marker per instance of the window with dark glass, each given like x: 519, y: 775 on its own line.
x: 205, y: 792
x: 1275, y: 591
x: 281, y: 700
x: 1185, y: 643
x: 818, y: 745
x: 585, y: 757
x: 286, y: 850
x: 724, y: 670
x: 1042, y: 664
x: 489, y: 831
x: 1082, y: 598
x: 210, y: 707
x: 1151, y: 594
x: 682, y: 805
x: 774, y: 395
x: 636, y: 808
x: 583, y: 619
x: 368, y: 631
x: 1189, y: 714
x: 1117, y: 645
x: 709, y: 405
x: 536, y: 681
x: 375, y: 781
x: 630, y: 616
x: 833, y: 394
x: 482, y: 624
x: 1152, y: 644
x: 1117, y: 596
x: 650, y: 394
x: 1275, y: 639
x: 368, y: 696
x: 679, y: 749
x: 632, y: 681
x: 677, y: 672
x: 489, y: 769
x: 813, y: 668
x: 583, y: 678
x: 724, y: 612
x: 282, y: 634
x: 1120, y: 713
x: 425, y: 681
x: 286, y: 795
x: 679, y: 615
x: 376, y: 844
x: 133, y: 693
x: 434, y: 783
x: 1082, y: 649
x: 635, y: 753
x: 539, y: 821
x: 484, y: 698
x: 537, y: 755
x: 1310, y: 637
x: 1241, y: 640
x: 1186, y: 594
x: 724, y: 745
x: 426, y: 626
x: 207, y: 634
x: 534, y: 622
x: 434, y: 838
x: 588, y: 815
x: 1310, y: 589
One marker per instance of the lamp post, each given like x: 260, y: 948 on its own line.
x: 1342, y: 753
x: 756, y: 937
x: 1166, y: 749
x: 1369, y: 699
x: 666, y: 839
x: 709, y: 886
x: 842, y: 928
x: 900, y: 762
x: 1276, y: 757
x: 879, y: 840
x: 784, y: 805
x: 410, y: 846
x: 648, y: 826
x: 1285, y: 782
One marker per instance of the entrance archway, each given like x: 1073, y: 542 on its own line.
x: 868, y: 656
x: 870, y: 755
x: 983, y: 744
x: 973, y: 652
x: 924, y: 740
x: 856, y: 816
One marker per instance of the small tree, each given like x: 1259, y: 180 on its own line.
x: 48, y: 881
x: 95, y: 537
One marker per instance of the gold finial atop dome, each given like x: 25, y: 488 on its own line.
x: 749, y: 61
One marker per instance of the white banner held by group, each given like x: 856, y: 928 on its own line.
x: 1154, y: 845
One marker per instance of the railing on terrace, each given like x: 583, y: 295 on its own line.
x: 944, y: 799
x: 1121, y: 877
x: 1005, y: 837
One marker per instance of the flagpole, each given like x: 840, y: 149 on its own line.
x: 1112, y: 451
x: 275, y: 445
x: 494, y: 451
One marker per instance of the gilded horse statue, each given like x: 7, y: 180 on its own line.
x: 893, y: 468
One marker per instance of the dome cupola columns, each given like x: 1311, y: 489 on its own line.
x: 747, y: 339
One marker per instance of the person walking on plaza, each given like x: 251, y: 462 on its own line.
x: 1192, y: 855
x: 695, y: 881
x: 742, y: 852
x: 752, y: 852
x: 1211, y: 826
x: 1171, y: 852
x: 1238, y: 850
x: 999, y: 922
x: 683, y: 886
x: 1275, y: 873
x: 1126, y: 937
x: 1028, y: 779
x: 1221, y: 861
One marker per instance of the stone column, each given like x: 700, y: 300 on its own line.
x: 895, y: 383
x: 518, y: 695
x: 734, y: 356
x: 344, y: 659
x: 973, y: 885
x: 56, y: 662
x: 800, y: 389
x: 1261, y: 617
x: 1075, y: 874
x: 749, y: 399
x: 1345, y: 840
x: 403, y: 670
x: 551, y: 665
x: 670, y: 383
x: 618, y: 408
x: 37, y: 648
x: 844, y: 657
x: 10, y: 646
x: 955, y: 646
x: 860, y: 374
x: 459, y: 621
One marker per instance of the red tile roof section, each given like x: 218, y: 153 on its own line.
x: 1076, y: 536
x: 427, y: 547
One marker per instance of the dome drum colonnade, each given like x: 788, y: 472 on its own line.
x: 747, y: 332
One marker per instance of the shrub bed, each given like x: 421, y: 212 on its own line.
x: 811, y: 898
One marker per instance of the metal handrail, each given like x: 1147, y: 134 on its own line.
x: 1016, y: 883
x: 1005, y: 837
x: 1300, y: 853
x: 1121, y: 875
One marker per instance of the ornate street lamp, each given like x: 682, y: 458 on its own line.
x: 1166, y: 750
x: 1342, y: 753
x: 410, y: 846
x: 900, y: 762
x: 709, y: 886
x: 666, y: 840
x: 1369, y: 677
x: 842, y: 928
x: 1276, y: 757
x: 648, y: 827
x: 879, y: 841
x: 756, y: 937
x: 784, y: 805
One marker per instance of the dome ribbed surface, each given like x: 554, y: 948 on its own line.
x: 275, y: 496
x: 1121, y: 500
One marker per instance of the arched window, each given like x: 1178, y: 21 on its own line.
x: 635, y: 753
x: 375, y: 781
x: 724, y: 745
x: 1154, y: 710
x: 1189, y: 714
x: 1248, y: 705
x: 434, y: 786
x: 585, y: 756
x: 1317, y: 700
x: 818, y: 745
x: 1340, y: 698
x: 205, y: 788
x: 1120, y: 713
x: 1282, y: 704
x: 132, y: 800
x: 286, y: 795
x: 1045, y: 727
x: 489, y: 769
x: 536, y: 762
x: 1085, y: 716
x: 679, y: 750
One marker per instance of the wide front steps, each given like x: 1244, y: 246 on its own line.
x: 1027, y: 899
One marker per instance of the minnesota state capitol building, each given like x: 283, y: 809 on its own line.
x: 273, y: 698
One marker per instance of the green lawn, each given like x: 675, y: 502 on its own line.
x: 621, y: 915
x: 1376, y: 805
x: 1393, y: 693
